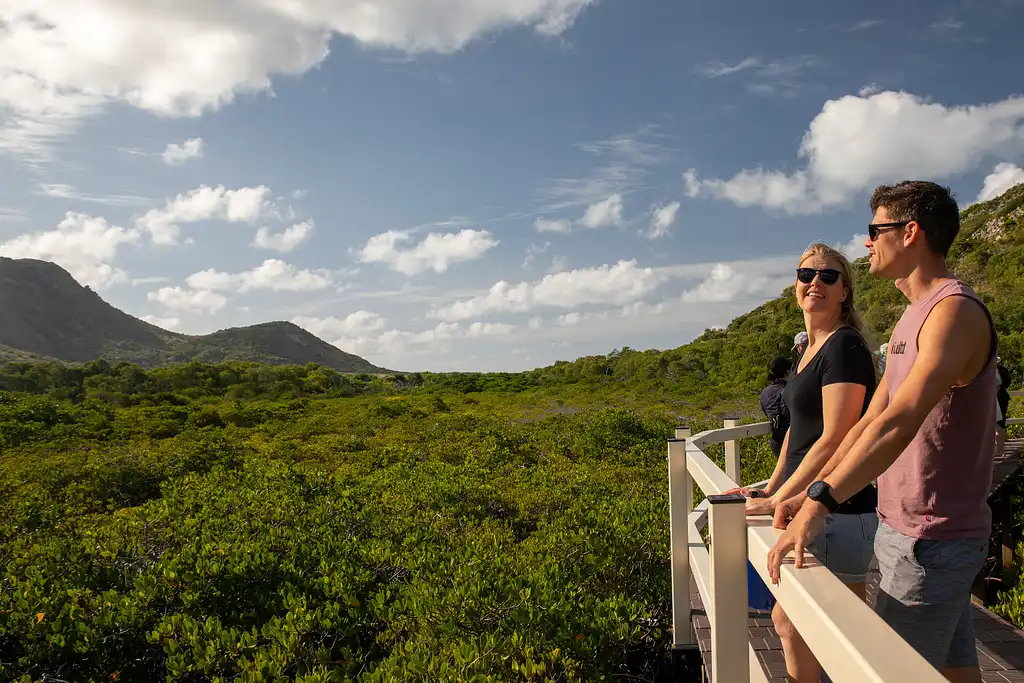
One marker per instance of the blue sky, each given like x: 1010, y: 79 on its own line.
x: 482, y: 184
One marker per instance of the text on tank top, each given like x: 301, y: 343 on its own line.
x: 938, y: 487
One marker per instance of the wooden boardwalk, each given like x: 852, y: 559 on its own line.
x: 1000, y: 645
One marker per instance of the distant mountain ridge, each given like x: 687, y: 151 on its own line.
x: 45, y: 315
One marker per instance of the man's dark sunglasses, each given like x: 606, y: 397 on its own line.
x: 875, y: 228
x: 829, y: 276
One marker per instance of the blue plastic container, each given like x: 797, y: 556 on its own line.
x: 759, y: 597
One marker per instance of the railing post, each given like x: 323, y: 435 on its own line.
x: 732, y: 454
x: 728, y: 523
x: 680, y: 502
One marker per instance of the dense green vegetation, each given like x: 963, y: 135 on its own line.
x: 177, y: 525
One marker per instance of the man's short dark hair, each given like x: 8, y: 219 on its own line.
x: 931, y: 205
x: 779, y: 368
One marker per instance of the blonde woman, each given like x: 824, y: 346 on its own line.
x: 830, y: 390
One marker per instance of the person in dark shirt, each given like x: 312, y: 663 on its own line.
x: 1002, y: 403
x: 772, y: 405
x: 830, y: 390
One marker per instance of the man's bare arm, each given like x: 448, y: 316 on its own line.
x: 879, y: 402
x: 940, y: 365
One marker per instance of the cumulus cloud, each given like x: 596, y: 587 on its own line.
x: 856, y: 142
x: 284, y: 241
x: 662, y: 220
x: 271, y: 275
x: 854, y: 249
x: 63, y: 60
x: 83, y: 245
x: 726, y: 283
x: 617, y: 284
x: 176, y: 154
x: 165, y: 323
x: 437, y: 252
x: 603, y: 213
x: 179, y: 299
x: 244, y: 205
x: 361, y: 333
x: 358, y: 324
x: 1002, y: 178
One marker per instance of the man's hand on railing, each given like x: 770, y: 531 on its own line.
x: 806, y: 525
x: 786, y: 510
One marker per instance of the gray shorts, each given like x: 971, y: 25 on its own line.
x: 925, y: 593
x: 846, y: 545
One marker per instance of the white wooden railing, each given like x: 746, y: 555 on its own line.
x: 1015, y: 420
x: 852, y: 643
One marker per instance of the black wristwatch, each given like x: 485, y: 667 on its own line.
x: 822, y: 492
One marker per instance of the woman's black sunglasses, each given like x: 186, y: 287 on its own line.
x: 829, y: 276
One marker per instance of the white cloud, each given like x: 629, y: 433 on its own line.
x: 626, y: 161
x: 726, y: 284
x: 358, y: 324
x: 150, y: 280
x: 176, y: 154
x: 83, y: 245
x: 766, y: 78
x: 558, y: 264
x: 857, y: 142
x: 63, y: 60
x: 854, y: 249
x: 360, y: 333
x: 545, y: 225
x: 1002, y: 178
x: 480, y: 329
x: 866, y: 24
x: 65, y: 191
x: 662, y: 220
x: 178, y: 299
x: 8, y: 214
x: 605, y: 212
x: 245, y: 205
x: 283, y: 241
x: 619, y: 284
x: 271, y: 275
x: 531, y: 253
x: 436, y: 252
x: 165, y: 323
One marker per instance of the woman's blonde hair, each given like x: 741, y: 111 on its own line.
x: 848, y: 312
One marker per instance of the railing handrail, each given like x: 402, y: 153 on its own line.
x: 849, y: 639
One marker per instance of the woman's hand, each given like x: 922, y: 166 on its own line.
x: 743, y: 490
x: 761, y: 506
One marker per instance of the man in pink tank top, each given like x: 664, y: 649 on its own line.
x: 927, y: 437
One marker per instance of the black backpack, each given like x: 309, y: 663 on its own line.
x: 780, y: 421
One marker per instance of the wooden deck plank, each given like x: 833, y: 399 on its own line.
x: 1000, y: 645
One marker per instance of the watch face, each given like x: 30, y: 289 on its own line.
x: 817, y: 488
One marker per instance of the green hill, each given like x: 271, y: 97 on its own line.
x: 46, y: 315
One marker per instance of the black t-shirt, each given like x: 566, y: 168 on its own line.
x: 844, y: 358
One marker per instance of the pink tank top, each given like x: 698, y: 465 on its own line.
x: 938, y: 487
